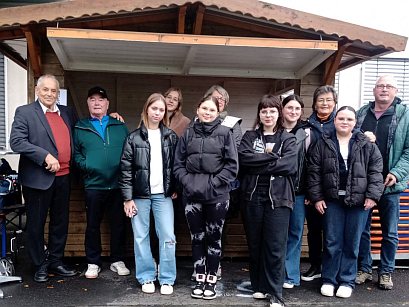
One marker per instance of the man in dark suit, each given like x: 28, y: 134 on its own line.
x: 41, y: 133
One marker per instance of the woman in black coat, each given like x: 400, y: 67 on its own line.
x: 345, y: 181
x: 268, y: 162
x: 205, y: 165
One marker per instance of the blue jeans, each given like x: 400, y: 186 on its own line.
x: 388, y: 207
x: 294, y: 242
x: 342, y: 227
x: 162, y: 208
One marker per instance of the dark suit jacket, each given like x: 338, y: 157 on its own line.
x: 32, y: 138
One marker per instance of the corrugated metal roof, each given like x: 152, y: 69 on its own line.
x: 73, y: 9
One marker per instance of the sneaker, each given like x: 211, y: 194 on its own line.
x: 259, y: 296
x: 120, y: 268
x: 276, y: 302
x: 385, y: 281
x: 197, y: 291
x: 362, y: 277
x: 288, y: 285
x: 327, y: 290
x: 92, y: 271
x: 148, y: 287
x: 219, y: 272
x: 313, y: 273
x: 166, y: 289
x: 209, y: 290
x: 344, y: 292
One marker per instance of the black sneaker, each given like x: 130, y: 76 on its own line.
x: 209, y: 292
x: 197, y: 291
x: 276, y: 302
x: 313, y: 273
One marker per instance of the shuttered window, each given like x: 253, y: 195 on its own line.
x: 371, y: 70
x: 3, y: 131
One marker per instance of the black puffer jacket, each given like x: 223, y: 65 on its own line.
x: 206, y: 162
x: 364, y: 171
x: 135, y: 163
x: 281, y: 167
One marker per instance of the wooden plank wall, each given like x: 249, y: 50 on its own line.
x: 127, y: 94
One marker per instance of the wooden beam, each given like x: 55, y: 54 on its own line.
x: 14, y: 33
x: 258, y: 28
x: 332, y: 64
x: 190, y: 39
x: 34, y: 52
x: 182, y: 19
x: 13, y: 55
x: 197, y: 29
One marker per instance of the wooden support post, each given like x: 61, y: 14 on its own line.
x: 34, y: 51
x: 333, y: 62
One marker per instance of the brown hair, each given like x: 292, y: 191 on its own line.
x: 270, y: 101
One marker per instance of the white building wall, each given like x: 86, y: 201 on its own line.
x: 16, y: 95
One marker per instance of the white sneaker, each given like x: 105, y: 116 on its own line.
x: 92, y: 271
x: 344, y: 292
x: 166, y: 289
x: 287, y: 285
x: 148, y: 287
x: 327, y: 290
x: 259, y: 296
x: 120, y: 268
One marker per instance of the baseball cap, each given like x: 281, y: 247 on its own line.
x: 97, y: 90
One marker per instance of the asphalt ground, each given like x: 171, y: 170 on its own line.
x: 109, y: 289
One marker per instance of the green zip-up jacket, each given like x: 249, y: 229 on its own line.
x: 398, y: 144
x: 98, y: 159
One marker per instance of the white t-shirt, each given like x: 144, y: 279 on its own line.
x: 156, y: 163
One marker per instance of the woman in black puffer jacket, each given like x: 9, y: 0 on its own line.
x: 205, y: 165
x: 146, y: 184
x: 345, y: 181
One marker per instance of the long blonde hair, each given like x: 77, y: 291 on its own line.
x: 144, y: 115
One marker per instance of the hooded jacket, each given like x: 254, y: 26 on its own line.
x: 319, y: 128
x: 397, y: 143
x: 135, y: 163
x: 364, y: 179
x: 206, y: 162
x: 281, y: 167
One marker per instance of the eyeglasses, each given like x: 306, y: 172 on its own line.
x: 383, y: 86
x: 322, y: 100
x: 267, y: 113
x: 171, y: 98
x: 220, y: 98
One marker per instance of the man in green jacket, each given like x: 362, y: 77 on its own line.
x: 386, y: 120
x: 98, y: 142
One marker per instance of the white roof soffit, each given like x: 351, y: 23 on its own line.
x: 184, y: 54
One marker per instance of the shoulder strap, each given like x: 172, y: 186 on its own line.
x: 308, y: 139
x: 230, y: 121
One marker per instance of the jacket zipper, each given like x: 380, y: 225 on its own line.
x: 255, y: 186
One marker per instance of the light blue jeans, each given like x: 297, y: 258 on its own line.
x: 162, y: 208
x: 294, y: 242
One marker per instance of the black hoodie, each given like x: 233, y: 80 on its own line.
x: 280, y: 166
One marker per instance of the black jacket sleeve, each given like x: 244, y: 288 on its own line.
x: 279, y: 164
x: 125, y: 177
x: 314, y: 172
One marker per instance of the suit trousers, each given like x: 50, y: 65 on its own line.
x: 55, y: 201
